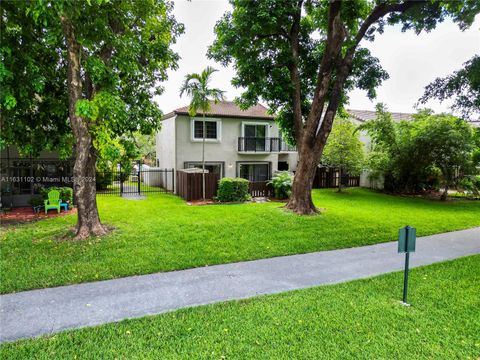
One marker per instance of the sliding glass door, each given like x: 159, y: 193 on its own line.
x: 255, y: 172
x: 255, y: 137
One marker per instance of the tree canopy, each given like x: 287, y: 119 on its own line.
x: 88, y: 69
x: 303, y: 57
x: 463, y: 86
x: 257, y: 38
x: 428, y: 152
x: 125, y: 55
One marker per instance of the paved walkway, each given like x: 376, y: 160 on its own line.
x: 45, y: 311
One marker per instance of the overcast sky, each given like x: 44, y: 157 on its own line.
x: 412, y: 61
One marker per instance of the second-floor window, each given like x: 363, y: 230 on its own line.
x: 212, y: 130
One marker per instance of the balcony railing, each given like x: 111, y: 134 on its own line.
x: 262, y: 144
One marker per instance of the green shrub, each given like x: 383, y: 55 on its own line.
x: 282, y: 184
x: 469, y: 185
x: 103, y: 179
x: 66, y: 194
x: 232, y: 189
x: 36, y: 200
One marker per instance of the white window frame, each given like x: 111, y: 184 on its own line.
x: 192, y: 130
x: 264, y: 123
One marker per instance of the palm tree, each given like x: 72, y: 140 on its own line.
x: 196, y: 86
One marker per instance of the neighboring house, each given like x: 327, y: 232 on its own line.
x: 246, y: 144
x: 360, y: 116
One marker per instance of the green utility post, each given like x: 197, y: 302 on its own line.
x: 406, y: 244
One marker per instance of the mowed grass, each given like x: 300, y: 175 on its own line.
x: 357, y: 320
x: 162, y: 233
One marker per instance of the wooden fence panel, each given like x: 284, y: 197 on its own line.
x: 189, y: 185
x: 259, y: 189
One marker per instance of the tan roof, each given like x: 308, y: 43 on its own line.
x: 365, y: 115
x: 228, y: 109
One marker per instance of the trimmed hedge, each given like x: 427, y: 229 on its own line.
x: 233, y: 190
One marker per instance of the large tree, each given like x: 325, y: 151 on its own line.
x: 98, y: 61
x: 428, y: 152
x: 302, y: 57
x: 448, y: 144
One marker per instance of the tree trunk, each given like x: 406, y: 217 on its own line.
x: 444, y: 195
x: 311, y: 135
x: 301, y: 200
x: 88, y: 222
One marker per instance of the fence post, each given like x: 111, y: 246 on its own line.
x: 120, y: 177
x: 138, y: 176
x: 173, y: 180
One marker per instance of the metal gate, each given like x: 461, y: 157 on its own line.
x: 138, y: 179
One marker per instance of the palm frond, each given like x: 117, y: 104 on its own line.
x: 196, y: 87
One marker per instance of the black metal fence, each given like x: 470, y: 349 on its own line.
x: 330, y: 177
x: 137, y: 181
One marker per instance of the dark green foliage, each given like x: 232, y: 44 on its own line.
x: 125, y: 55
x: 232, y: 190
x: 196, y: 86
x: 256, y: 38
x: 463, y: 86
x: 470, y: 186
x: 66, y: 193
x: 282, y: 184
x: 422, y: 154
x: 33, y: 95
x: 103, y: 179
x: 36, y: 200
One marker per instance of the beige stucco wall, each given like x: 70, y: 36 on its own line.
x: 165, y: 144
x: 224, y: 150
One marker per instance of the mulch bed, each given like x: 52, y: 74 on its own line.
x: 22, y: 215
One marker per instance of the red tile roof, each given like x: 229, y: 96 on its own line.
x: 229, y: 109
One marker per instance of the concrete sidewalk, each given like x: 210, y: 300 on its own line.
x: 45, y: 311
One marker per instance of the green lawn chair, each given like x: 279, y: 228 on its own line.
x: 53, y: 201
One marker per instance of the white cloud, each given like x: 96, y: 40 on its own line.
x: 412, y: 61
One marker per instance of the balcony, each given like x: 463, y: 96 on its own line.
x: 263, y: 145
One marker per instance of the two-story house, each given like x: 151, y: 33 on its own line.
x: 238, y: 143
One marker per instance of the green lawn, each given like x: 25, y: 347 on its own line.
x: 357, y: 320
x: 162, y: 233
